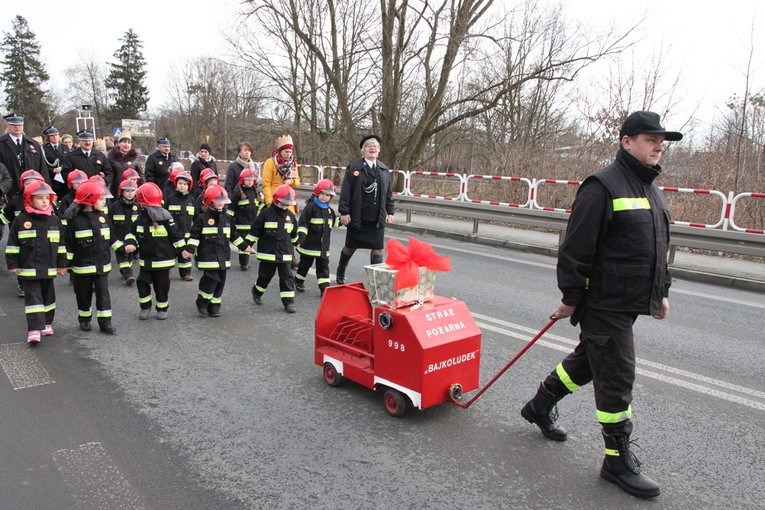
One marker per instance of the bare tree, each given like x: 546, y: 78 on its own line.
x: 86, y: 77
x: 210, y: 100
x: 418, y: 72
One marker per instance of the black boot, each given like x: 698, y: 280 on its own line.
x: 375, y: 259
x: 105, y: 326
x: 621, y: 466
x: 541, y: 411
x: 340, y: 273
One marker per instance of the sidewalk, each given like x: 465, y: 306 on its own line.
x: 726, y: 271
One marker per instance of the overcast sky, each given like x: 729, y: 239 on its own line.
x: 708, y: 42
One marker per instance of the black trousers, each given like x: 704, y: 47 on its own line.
x: 125, y: 262
x: 85, y: 285
x: 211, y: 289
x: 604, y: 356
x: 160, y: 280
x: 184, y: 266
x: 266, y: 271
x: 322, y: 270
x: 39, y: 302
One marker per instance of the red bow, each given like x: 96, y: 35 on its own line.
x: 408, y: 261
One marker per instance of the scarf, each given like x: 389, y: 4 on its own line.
x: 32, y: 210
x: 246, y: 164
x: 284, y: 167
x: 320, y: 204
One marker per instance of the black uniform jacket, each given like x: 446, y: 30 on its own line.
x: 614, y: 255
x: 88, y: 243
x: 35, y: 247
x: 32, y: 158
x: 96, y: 163
x: 275, y: 231
x: 159, y: 243
x: 182, y: 208
x: 352, y: 192
x: 210, y: 240
x: 158, y: 168
x: 314, y: 229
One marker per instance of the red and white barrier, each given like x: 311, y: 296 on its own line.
x: 535, y: 193
x: 710, y: 192
x: 732, y: 209
x: 473, y: 177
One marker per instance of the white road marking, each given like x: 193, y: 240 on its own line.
x: 94, y: 481
x: 709, y: 386
x: 22, y: 367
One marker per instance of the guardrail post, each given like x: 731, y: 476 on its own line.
x: 475, y: 227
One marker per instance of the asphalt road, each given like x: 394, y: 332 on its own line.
x: 232, y: 413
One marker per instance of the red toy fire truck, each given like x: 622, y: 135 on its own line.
x: 419, y: 355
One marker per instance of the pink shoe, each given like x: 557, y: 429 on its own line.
x: 48, y: 330
x: 33, y: 337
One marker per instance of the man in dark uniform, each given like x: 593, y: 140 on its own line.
x: 55, y: 152
x: 88, y: 159
x: 19, y: 153
x: 612, y: 267
x: 158, y: 164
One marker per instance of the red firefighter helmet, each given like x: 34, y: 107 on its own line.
x: 100, y: 180
x: 149, y: 195
x: 248, y: 172
x: 130, y: 173
x: 127, y: 184
x: 38, y: 188
x: 29, y: 174
x: 186, y: 176
x: 285, y: 195
x: 175, y: 169
x: 324, y: 186
x: 206, y: 175
x: 89, y: 192
x: 76, y: 177
x: 213, y: 193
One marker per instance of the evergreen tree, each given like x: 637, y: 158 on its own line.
x: 24, y: 76
x: 125, y: 84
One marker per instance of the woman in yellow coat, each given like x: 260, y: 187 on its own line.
x: 280, y: 168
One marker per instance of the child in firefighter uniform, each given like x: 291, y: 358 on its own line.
x: 209, y: 242
x: 208, y: 178
x: 158, y: 242
x: 73, y: 181
x: 245, y: 205
x: 35, y: 254
x: 124, y: 212
x: 180, y: 204
x: 314, y: 228
x: 16, y: 205
x: 88, y: 250
x: 275, y: 231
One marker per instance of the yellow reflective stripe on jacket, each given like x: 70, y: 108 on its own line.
x: 118, y: 217
x: 159, y: 231
x: 628, y: 204
x: 12, y: 249
x: 80, y: 234
x: 106, y: 233
x: 27, y: 234
x: 604, y: 417
x: 26, y: 272
x: 54, y: 236
x: 310, y: 253
x: 316, y: 221
x: 566, y: 379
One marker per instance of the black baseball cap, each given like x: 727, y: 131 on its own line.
x: 648, y: 123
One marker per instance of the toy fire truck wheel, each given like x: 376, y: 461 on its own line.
x: 331, y: 375
x: 395, y: 402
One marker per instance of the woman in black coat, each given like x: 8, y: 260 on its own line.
x: 366, y: 205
